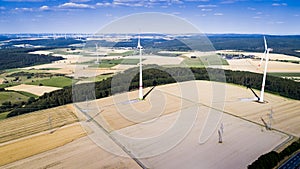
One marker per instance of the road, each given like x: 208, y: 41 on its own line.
x: 292, y: 163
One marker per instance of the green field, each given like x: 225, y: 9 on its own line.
x: 13, y: 97
x: 24, y: 76
x: 204, y: 61
x: 57, y: 81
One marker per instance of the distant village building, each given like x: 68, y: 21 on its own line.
x: 235, y: 56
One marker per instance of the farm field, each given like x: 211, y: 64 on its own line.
x: 13, y: 97
x: 36, y: 90
x: 148, y: 121
x: 245, y: 137
x: 252, y: 66
x: 232, y: 101
x: 80, y: 153
x: 58, y: 81
x: 36, y: 122
x: 239, y: 147
x: 39, y: 143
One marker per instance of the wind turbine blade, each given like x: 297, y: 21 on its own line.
x: 266, y: 46
x: 139, y: 42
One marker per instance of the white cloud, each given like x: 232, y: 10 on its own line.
x: 279, y: 4
x: 139, y: 3
x: 197, y: 0
x: 218, y: 14
x: 75, y: 5
x: 23, y: 9
x: 44, y: 8
x: 230, y: 1
x: 105, y: 4
x: 296, y: 15
x: 176, y: 13
x: 258, y: 13
x: 2, y: 8
x: 252, y: 9
x: 23, y: 0
x: 80, y: 1
x: 206, y: 10
x: 207, y: 6
x: 256, y: 17
x: 164, y: 6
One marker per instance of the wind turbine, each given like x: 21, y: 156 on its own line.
x: 267, y: 51
x: 141, y: 71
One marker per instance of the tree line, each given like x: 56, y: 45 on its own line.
x: 271, y: 159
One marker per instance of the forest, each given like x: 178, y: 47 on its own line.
x: 155, y: 75
x: 254, y: 43
x: 19, y: 57
x: 251, y: 43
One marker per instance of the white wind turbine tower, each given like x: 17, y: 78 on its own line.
x: 270, y: 118
x: 97, y: 62
x: 141, y: 71
x: 267, y: 51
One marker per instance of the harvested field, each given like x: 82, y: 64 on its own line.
x: 285, y: 118
x: 242, y: 143
x: 40, y: 143
x: 36, y: 122
x: 80, y: 153
x: 244, y: 139
x: 36, y: 90
x: 117, y: 112
x: 252, y: 66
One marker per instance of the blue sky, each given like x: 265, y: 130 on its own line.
x: 210, y: 16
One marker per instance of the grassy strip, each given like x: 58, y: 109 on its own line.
x: 27, y: 94
x: 107, y: 63
x: 127, y: 53
x: 3, y: 115
x: 285, y: 74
